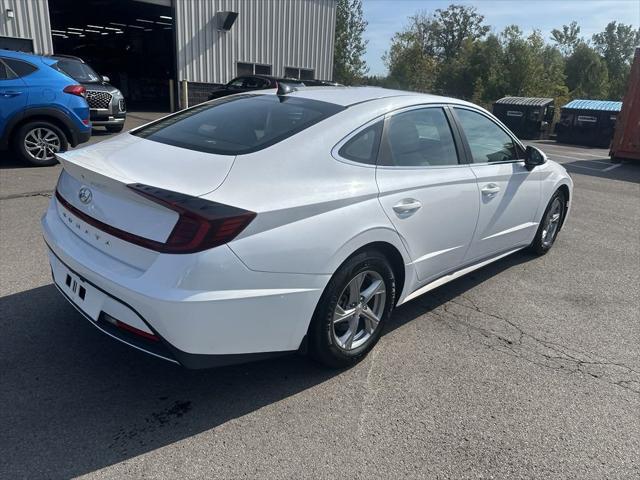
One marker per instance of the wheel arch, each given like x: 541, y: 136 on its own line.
x: 395, y: 259
x: 50, y: 115
x: 566, y: 191
x: 387, y: 242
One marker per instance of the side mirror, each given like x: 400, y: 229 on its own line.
x: 105, y: 79
x: 534, y: 157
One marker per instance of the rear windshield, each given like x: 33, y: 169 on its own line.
x: 239, y: 124
x: 80, y: 72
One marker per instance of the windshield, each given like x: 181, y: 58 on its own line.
x: 238, y: 124
x: 80, y: 72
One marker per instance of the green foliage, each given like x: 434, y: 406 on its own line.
x: 451, y: 52
x: 411, y: 59
x: 349, y: 48
x: 566, y: 39
x: 587, y: 75
x: 616, y: 44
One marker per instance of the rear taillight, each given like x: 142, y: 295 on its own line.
x: 78, y: 90
x: 201, y: 224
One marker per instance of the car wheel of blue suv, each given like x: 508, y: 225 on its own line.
x: 37, y: 142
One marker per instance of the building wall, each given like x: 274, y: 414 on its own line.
x: 280, y: 33
x: 31, y: 20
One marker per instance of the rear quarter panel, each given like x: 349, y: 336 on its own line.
x: 313, y: 210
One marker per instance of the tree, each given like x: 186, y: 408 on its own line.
x: 587, y: 75
x: 567, y: 39
x: 349, y: 48
x: 455, y: 26
x: 424, y: 56
x: 411, y: 58
x: 616, y: 44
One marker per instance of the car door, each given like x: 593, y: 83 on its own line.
x: 508, y: 192
x: 13, y: 94
x: 428, y: 194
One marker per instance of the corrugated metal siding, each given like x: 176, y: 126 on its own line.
x: 526, y: 101
x: 31, y: 21
x: 604, y: 105
x: 280, y: 33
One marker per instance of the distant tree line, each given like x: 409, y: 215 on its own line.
x: 453, y: 52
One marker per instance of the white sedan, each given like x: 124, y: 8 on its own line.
x: 260, y: 224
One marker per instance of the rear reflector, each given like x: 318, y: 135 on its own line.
x: 201, y: 224
x: 130, y: 328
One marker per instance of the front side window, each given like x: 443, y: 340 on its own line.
x: 239, y: 124
x: 236, y: 83
x: 20, y: 68
x: 363, y: 147
x: 419, y: 138
x: 487, y: 141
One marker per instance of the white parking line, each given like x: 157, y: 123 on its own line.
x: 568, y: 149
x: 576, y: 158
x: 588, y: 168
x: 616, y: 165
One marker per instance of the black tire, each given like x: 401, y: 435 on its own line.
x: 22, y: 133
x: 114, y: 128
x: 323, y: 344
x: 541, y: 244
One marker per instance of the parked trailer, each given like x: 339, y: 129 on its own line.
x: 588, y: 122
x: 626, y: 140
x: 527, y: 117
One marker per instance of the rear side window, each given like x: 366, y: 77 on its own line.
x: 240, y: 124
x: 363, y: 147
x: 80, y: 72
x: 20, y: 68
x: 419, y: 138
x: 5, y: 73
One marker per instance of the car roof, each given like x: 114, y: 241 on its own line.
x: 347, y: 96
x: 60, y: 56
x: 29, y: 57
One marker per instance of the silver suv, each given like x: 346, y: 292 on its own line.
x: 106, y: 103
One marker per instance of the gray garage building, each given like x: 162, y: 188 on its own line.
x: 148, y: 47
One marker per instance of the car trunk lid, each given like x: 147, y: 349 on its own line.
x: 95, y: 182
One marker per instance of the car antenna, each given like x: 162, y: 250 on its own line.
x: 285, y: 88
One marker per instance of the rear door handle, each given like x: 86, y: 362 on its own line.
x: 490, y: 189
x: 408, y: 206
x: 10, y: 93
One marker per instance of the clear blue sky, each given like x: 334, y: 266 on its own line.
x: 386, y: 17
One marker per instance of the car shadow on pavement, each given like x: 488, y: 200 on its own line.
x: 75, y: 401
x: 8, y: 159
x: 626, y: 171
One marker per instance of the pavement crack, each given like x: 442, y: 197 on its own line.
x: 502, y: 334
x: 362, y: 417
x: 42, y: 193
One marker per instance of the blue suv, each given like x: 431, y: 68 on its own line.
x: 42, y: 110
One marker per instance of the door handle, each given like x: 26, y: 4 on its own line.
x: 407, y: 206
x: 490, y: 190
x: 10, y: 93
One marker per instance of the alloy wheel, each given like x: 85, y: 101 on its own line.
x: 552, y: 223
x: 42, y: 143
x: 359, y: 310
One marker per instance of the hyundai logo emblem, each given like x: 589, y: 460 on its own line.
x: 85, y: 195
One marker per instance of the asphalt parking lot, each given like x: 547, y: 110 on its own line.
x: 528, y: 368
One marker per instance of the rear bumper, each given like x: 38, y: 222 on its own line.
x: 80, y: 136
x: 206, y: 309
x: 103, y: 117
